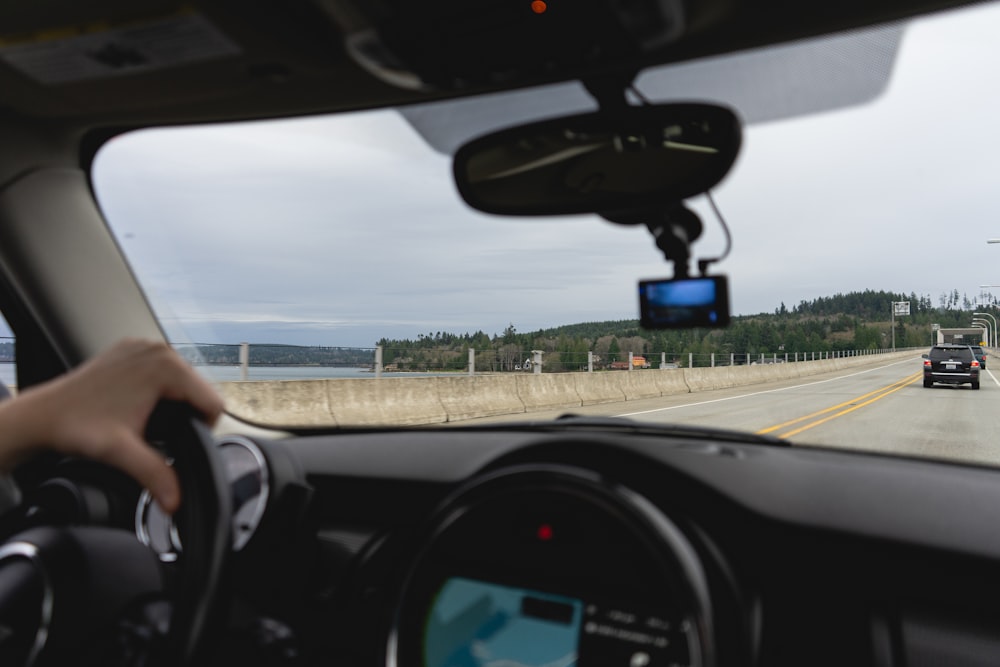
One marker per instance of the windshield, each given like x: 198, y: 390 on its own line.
x: 326, y: 273
x: 938, y: 353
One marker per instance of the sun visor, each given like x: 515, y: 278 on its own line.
x: 763, y: 85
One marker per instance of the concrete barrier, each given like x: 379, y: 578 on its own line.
x: 706, y: 379
x: 594, y: 388
x: 641, y: 384
x: 400, y: 401
x: 432, y: 400
x: 752, y: 374
x: 474, y: 396
x: 288, y: 403
x: 671, y: 381
x: 547, y: 391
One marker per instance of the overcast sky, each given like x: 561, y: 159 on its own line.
x: 338, y: 231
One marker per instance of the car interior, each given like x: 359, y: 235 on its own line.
x: 535, y: 542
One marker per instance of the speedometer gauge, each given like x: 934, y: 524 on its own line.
x: 553, y: 567
x: 247, y: 472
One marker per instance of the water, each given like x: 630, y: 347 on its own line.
x: 231, y: 373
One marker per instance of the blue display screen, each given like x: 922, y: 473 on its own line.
x: 478, y: 624
x: 700, y: 292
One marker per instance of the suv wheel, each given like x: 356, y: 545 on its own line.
x: 975, y: 385
x: 928, y: 383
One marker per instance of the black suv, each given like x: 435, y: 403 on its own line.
x: 951, y: 364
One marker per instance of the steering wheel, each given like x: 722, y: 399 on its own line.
x: 64, y: 589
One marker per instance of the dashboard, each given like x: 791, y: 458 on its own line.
x: 558, y: 546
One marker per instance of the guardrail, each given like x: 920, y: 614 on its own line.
x: 473, y: 361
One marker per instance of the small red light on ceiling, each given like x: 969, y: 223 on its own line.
x: 539, y: 6
x: 544, y: 532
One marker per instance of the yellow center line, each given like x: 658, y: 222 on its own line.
x: 853, y: 403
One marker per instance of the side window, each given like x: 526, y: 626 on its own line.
x: 8, y: 375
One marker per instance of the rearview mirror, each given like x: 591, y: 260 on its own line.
x: 629, y: 159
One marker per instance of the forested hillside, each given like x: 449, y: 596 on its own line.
x: 854, y: 321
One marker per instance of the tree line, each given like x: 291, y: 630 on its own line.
x: 851, y: 321
x: 276, y: 355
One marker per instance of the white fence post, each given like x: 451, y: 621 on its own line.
x: 536, y: 362
x: 244, y: 361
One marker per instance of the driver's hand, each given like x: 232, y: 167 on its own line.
x: 100, y: 409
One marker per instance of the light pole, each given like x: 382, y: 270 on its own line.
x: 994, y: 344
x: 985, y: 326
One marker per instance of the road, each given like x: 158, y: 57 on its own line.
x: 884, y: 408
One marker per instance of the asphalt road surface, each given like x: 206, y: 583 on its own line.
x: 883, y: 408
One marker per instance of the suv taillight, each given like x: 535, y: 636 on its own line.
x: 975, y: 364
x: 927, y: 363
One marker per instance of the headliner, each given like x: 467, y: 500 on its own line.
x: 167, y: 61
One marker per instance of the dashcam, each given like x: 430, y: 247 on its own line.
x: 684, y: 303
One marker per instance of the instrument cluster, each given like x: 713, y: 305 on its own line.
x: 553, y: 567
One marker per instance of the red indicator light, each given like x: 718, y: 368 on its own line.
x: 544, y: 532
x: 539, y: 6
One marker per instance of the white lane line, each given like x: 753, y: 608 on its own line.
x: 990, y: 373
x: 771, y: 391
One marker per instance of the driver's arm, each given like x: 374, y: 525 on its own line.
x: 99, y: 411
